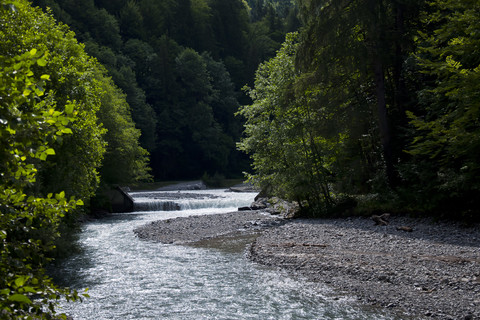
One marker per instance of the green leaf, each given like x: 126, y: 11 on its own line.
x: 50, y: 151
x: 29, y: 289
x: 5, y: 291
x: 69, y: 108
x: 45, y: 77
x: 41, y: 62
x: 20, y: 281
x: 60, y: 195
x: 20, y: 298
x: 33, y: 52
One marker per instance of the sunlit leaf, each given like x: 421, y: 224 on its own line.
x: 19, y: 298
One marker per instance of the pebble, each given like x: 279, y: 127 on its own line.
x: 382, y: 265
x: 431, y: 272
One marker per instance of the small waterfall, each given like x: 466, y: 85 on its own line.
x: 156, y: 206
x: 189, y: 200
x: 132, y: 279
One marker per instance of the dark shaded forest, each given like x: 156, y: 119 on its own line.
x: 182, y: 65
x: 372, y: 107
x: 351, y: 107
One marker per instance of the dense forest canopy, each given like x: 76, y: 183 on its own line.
x: 78, y: 118
x: 182, y: 65
x: 66, y: 129
x: 374, y: 106
x: 354, y: 106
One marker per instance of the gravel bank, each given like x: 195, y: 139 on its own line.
x: 195, y: 228
x: 432, y: 272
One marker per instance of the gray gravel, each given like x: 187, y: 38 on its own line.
x: 432, y: 272
x: 185, y: 230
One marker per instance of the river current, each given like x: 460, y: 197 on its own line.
x: 130, y: 278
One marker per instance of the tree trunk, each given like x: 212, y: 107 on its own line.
x: 384, y: 126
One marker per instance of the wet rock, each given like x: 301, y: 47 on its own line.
x: 259, y: 204
x: 288, y: 210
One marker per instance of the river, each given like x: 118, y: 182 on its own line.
x: 133, y: 279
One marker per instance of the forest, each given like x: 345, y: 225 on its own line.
x: 347, y: 107
x: 182, y: 65
x: 373, y: 106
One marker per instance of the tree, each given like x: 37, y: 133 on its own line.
x: 125, y: 161
x: 363, y: 44
x: 55, y: 102
x: 145, y: 39
x: 131, y: 21
x: 289, y: 154
x: 33, y: 123
x: 446, y: 143
x: 71, y: 83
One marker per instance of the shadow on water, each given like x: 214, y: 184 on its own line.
x: 210, y: 279
x: 71, y: 261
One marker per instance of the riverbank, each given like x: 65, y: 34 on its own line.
x: 432, y: 272
x: 192, y: 229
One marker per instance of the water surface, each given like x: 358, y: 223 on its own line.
x: 133, y: 279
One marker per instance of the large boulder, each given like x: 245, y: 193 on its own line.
x: 286, y: 209
x: 275, y: 206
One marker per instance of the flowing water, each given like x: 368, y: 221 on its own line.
x: 133, y: 279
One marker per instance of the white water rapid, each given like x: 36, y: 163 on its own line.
x: 133, y: 279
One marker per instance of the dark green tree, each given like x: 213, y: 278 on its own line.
x: 446, y: 141
x: 358, y: 47
x: 138, y: 42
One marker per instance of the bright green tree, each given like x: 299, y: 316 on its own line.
x: 284, y: 136
x: 125, y: 161
x: 72, y: 82
x: 53, y: 99
x: 31, y: 125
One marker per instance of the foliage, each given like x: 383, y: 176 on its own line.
x: 125, y: 161
x: 371, y: 80
x: 336, y: 106
x: 103, y: 121
x: 288, y: 156
x: 147, y: 37
x: 200, y: 123
x: 31, y: 123
x: 56, y: 102
x: 71, y: 85
x: 446, y: 143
